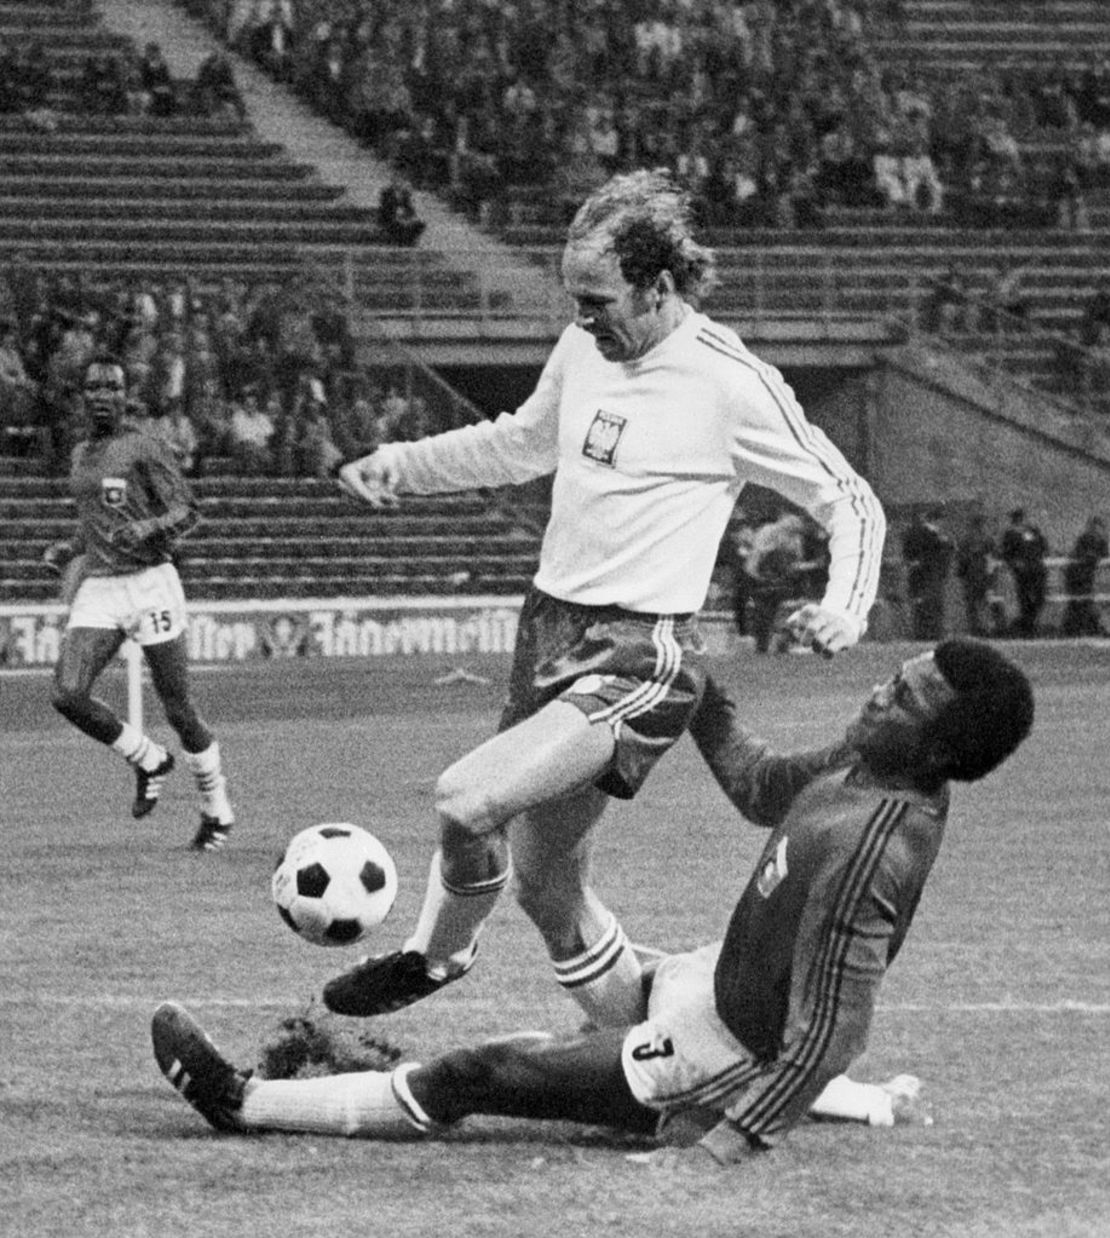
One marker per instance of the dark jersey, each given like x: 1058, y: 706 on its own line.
x: 121, y: 478
x: 822, y: 917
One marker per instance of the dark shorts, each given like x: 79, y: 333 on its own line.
x: 640, y: 674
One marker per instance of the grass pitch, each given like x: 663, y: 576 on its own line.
x: 1000, y: 999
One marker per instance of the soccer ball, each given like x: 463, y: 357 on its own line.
x: 334, y: 884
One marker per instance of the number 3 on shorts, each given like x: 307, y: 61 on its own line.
x: 657, y: 1046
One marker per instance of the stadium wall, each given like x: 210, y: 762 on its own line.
x: 936, y: 434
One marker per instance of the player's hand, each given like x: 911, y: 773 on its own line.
x: 826, y: 631
x: 134, y: 533
x: 373, y: 480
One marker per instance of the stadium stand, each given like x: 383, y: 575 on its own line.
x: 292, y: 538
x: 185, y: 194
x: 224, y: 199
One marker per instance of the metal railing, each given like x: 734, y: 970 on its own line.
x: 492, y: 294
x: 523, y: 285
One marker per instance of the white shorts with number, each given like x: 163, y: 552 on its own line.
x: 682, y: 1054
x: 148, y: 606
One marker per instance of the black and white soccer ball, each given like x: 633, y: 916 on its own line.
x: 335, y: 883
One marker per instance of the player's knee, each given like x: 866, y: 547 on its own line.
x: 461, y: 1082
x: 464, y: 807
x: 70, y: 700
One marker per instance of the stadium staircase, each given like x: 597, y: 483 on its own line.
x: 120, y: 197
x: 126, y: 197
x: 289, y: 190
x: 292, y: 538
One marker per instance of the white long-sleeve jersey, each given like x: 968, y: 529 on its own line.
x: 649, y: 457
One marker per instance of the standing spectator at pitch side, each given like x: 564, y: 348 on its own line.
x: 1081, y: 617
x: 976, y: 557
x: 734, y: 1043
x: 652, y: 418
x: 132, y: 507
x: 928, y: 555
x: 772, y: 565
x: 1023, y: 551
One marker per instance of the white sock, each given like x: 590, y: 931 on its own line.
x: 606, y: 979
x: 211, y: 783
x: 452, y: 919
x: 363, y: 1102
x: 845, y: 1100
x: 138, y: 749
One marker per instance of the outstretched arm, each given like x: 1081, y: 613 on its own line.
x: 759, y: 782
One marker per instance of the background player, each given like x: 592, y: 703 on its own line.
x: 652, y: 418
x: 132, y: 506
x: 746, y: 1035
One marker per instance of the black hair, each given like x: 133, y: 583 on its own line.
x: 991, y: 714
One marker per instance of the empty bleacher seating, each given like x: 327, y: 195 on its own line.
x: 292, y: 538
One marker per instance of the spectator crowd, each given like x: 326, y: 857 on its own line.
x: 263, y: 376
x: 773, y: 110
x: 120, y: 81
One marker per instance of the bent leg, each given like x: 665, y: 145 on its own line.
x: 593, y: 959
x: 84, y: 654
x: 550, y: 847
x: 576, y: 1080
x: 547, y: 756
x: 542, y: 758
x: 528, y: 1076
x: 169, y: 674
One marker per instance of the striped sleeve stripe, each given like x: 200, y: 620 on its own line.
x: 645, y: 696
x: 829, y: 968
x: 821, y: 450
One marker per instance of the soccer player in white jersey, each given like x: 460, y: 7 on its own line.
x: 736, y: 1042
x: 652, y: 418
x: 132, y: 507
